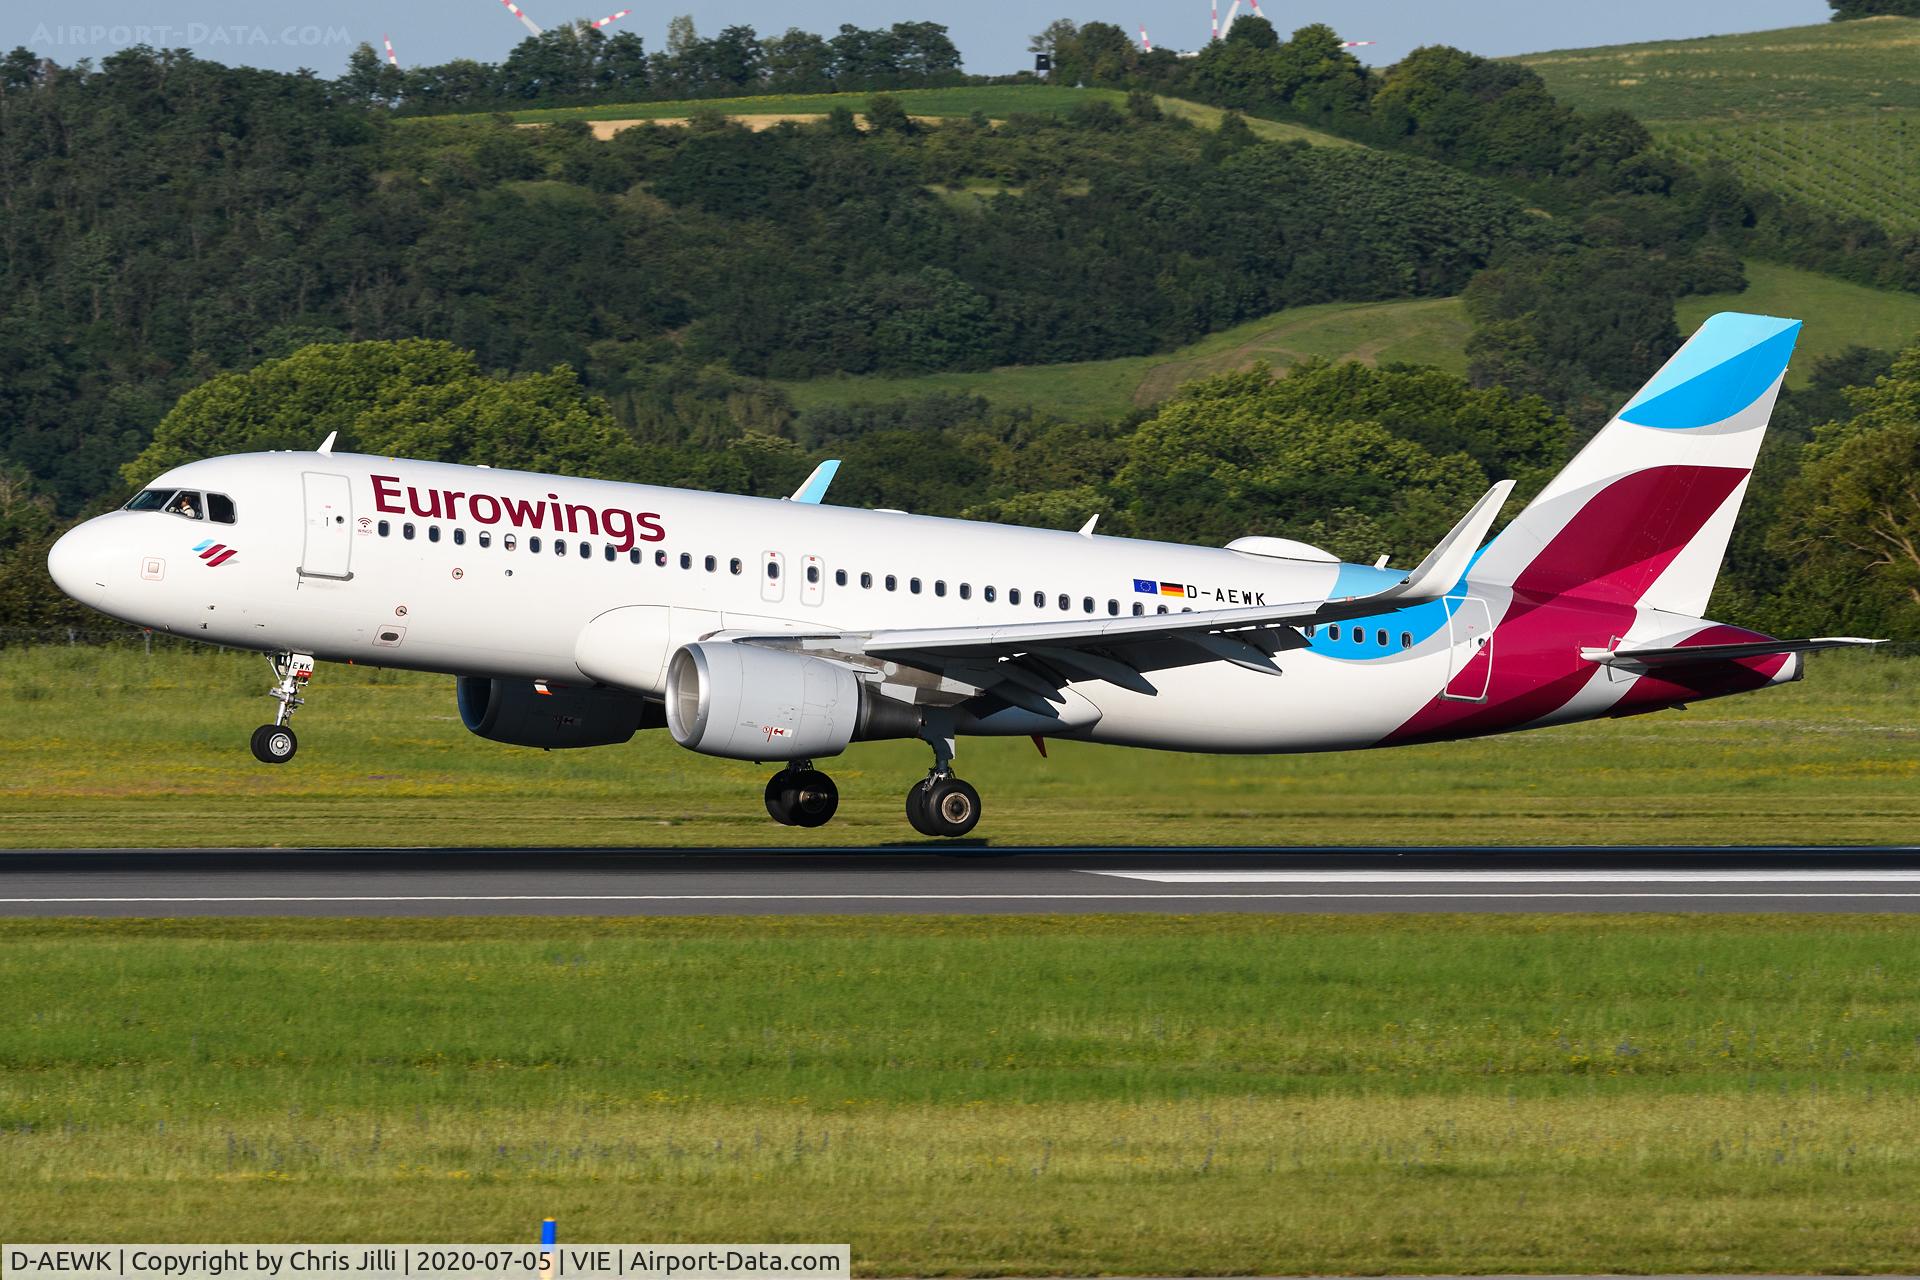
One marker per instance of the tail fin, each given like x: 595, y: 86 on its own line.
x: 1643, y: 513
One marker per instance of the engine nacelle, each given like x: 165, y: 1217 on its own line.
x: 516, y: 712
x: 749, y: 703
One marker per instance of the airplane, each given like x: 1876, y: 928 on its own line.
x: 577, y: 613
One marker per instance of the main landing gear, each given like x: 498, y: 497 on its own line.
x: 801, y: 796
x: 938, y: 805
x: 274, y: 743
x: 941, y: 805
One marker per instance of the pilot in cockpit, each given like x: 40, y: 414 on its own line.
x: 182, y: 505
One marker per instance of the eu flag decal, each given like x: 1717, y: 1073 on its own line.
x: 1146, y: 587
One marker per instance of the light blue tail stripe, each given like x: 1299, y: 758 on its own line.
x: 1729, y: 364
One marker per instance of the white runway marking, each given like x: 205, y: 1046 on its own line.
x: 1662, y: 876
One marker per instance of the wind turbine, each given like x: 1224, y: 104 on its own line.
x: 527, y: 22
x: 1145, y: 44
x: 611, y: 18
x: 392, y: 59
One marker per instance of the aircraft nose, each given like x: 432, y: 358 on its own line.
x: 78, y: 563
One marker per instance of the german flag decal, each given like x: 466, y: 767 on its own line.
x: 214, y: 553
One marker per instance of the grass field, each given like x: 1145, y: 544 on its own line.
x: 1422, y: 331
x: 996, y: 102
x: 1837, y: 314
x: 106, y: 746
x: 984, y: 1096
x: 1794, y: 72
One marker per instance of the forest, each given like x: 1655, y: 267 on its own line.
x: 198, y: 258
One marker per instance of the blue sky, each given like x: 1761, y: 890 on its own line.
x: 992, y: 34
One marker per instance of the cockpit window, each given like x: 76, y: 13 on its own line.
x: 189, y: 504
x: 219, y: 508
x: 149, y: 500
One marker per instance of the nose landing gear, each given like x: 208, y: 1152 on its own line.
x: 274, y: 743
x: 802, y: 796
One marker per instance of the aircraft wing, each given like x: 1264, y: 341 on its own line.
x: 1029, y: 661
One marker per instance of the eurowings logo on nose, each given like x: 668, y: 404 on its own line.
x: 215, y: 553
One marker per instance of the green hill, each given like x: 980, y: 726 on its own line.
x: 1421, y: 331
x: 993, y: 101
x: 1793, y: 72
x: 1828, y: 115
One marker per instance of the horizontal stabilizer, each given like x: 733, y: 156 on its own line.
x: 1717, y: 652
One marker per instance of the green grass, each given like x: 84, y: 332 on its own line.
x: 1834, y: 68
x: 984, y: 1096
x: 1858, y: 166
x: 106, y: 746
x: 1837, y: 314
x: 1422, y: 331
x: 996, y: 102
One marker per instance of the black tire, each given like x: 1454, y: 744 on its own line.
x: 811, y: 798
x: 917, y: 809
x: 274, y: 744
x: 951, y: 808
x: 779, y: 804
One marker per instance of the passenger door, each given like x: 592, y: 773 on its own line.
x: 328, y: 549
x: 1470, y: 629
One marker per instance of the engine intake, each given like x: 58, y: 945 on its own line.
x: 749, y: 703
x: 514, y: 711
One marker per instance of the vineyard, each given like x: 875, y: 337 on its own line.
x: 1794, y: 72
x: 1862, y: 166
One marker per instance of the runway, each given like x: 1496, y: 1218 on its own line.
x: 968, y: 879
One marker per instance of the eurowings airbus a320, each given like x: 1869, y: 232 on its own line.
x: 575, y: 613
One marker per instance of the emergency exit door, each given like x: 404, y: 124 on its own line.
x: 328, y: 549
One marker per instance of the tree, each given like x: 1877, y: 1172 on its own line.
x: 1049, y: 38
x: 1851, y: 519
x: 799, y: 62
x: 416, y: 397
x: 1843, y: 10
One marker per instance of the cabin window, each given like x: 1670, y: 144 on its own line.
x: 1380, y: 637
x: 813, y: 573
x: 459, y: 537
x: 433, y: 533
x: 773, y: 570
x: 486, y: 538
x: 735, y: 568
x: 1086, y: 604
x: 1138, y: 608
x: 866, y: 581
x: 406, y: 530
x: 1406, y: 639
x: 1013, y: 595
x: 966, y: 591
x: 1066, y: 603
x: 1333, y: 632
x: 988, y: 594
x: 659, y: 559
x: 893, y: 583
x: 1359, y: 635
x: 1113, y: 608
x: 913, y: 585
x: 839, y: 577
x: 712, y: 563
x: 385, y: 528
x: 559, y: 546
x: 586, y: 551
x: 219, y: 508
x: 510, y: 542
x: 1040, y: 599
x: 633, y: 555
x: 611, y: 553
x: 940, y: 586
x: 686, y: 562
x: 533, y: 545
x: 1309, y: 629
x: 1160, y: 609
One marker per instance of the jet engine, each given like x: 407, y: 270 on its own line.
x: 748, y: 703
x: 537, y: 714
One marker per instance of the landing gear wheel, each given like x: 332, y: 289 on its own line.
x: 802, y: 798
x: 943, y: 807
x: 274, y: 744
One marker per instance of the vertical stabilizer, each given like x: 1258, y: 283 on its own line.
x: 1643, y: 513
